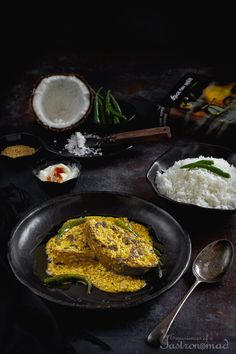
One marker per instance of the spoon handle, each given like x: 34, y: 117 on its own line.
x: 159, y: 333
x: 142, y: 135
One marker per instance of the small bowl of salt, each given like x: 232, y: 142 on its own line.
x: 57, y: 175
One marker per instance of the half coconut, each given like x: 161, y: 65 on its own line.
x: 61, y: 102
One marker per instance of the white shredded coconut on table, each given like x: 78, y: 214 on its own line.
x: 199, y: 186
x: 76, y: 145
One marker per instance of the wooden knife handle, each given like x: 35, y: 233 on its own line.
x: 142, y: 135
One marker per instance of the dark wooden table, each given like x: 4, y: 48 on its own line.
x: 209, y: 316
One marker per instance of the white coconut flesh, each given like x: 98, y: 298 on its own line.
x: 61, y: 101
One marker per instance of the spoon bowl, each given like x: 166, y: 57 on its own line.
x: 209, y: 266
x: 213, y: 261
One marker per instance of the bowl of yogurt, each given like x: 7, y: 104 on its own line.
x: 57, y: 175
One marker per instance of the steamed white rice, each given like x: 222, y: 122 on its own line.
x: 199, y: 186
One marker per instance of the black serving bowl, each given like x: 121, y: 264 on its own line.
x: 54, y: 188
x: 27, y: 255
x: 19, y: 139
x: 180, y: 152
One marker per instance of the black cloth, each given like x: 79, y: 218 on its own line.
x: 26, y: 324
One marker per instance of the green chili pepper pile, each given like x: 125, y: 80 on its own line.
x: 106, y: 109
x: 208, y: 165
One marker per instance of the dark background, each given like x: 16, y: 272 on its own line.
x: 153, y: 46
x: 178, y: 34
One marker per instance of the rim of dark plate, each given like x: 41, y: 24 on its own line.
x: 114, y: 306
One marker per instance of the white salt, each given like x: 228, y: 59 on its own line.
x: 80, y: 140
x: 76, y: 145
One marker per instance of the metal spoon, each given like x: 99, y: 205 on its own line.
x: 209, y: 266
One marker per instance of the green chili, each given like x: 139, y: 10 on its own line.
x: 116, y: 113
x: 117, y: 107
x: 101, y: 110
x: 96, y: 118
x: 215, y: 170
x: 126, y: 227
x: 158, y: 253
x: 159, y: 246
x: 107, y: 105
x: 69, y: 224
x: 193, y: 164
x: 106, y: 109
x: 98, y: 93
x: 62, y: 278
x: 116, y: 119
x: 115, y: 104
x: 208, y: 167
